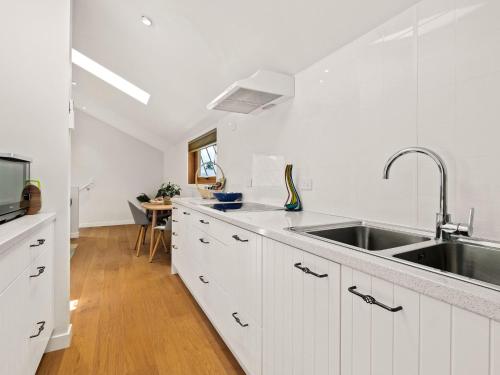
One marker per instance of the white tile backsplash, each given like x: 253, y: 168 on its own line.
x: 428, y: 77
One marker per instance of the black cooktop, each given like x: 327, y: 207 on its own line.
x: 242, y: 206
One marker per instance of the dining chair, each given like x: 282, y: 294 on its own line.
x: 161, y: 237
x: 140, y: 218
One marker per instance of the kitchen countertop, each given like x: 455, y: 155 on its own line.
x: 15, y: 230
x: 272, y: 224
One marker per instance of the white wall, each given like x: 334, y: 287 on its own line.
x: 35, y: 76
x: 121, y: 166
x: 428, y: 77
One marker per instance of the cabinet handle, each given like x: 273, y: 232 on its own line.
x: 203, y: 280
x: 238, y: 320
x: 174, y: 247
x: 175, y: 221
x: 204, y: 241
x: 372, y: 301
x: 186, y: 213
x: 308, y: 271
x: 39, y: 242
x: 204, y: 222
x: 237, y: 238
x: 41, y: 327
x: 40, y: 269
x: 174, y: 208
x: 174, y: 234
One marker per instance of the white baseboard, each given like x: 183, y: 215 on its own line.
x: 74, y: 235
x: 60, y: 341
x: 106, y: 223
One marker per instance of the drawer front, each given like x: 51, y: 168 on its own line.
x: 43, y: 239
x: 13, y: 262
x: 203, y: 222
x: 41, y: 300
x: 238, y: 269
x: 240, y: 332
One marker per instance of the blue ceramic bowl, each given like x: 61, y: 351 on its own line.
x: 228, y: 197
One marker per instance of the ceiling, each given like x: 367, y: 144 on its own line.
x: 196, y: 48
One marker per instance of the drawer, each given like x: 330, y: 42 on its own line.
x: 239, y: 331
x: 13, y: 262
x: 43, y: 239
x: 41, y: 310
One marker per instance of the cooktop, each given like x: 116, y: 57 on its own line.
x: 242, y: 206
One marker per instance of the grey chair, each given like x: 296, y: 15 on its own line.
x: 140, y: 218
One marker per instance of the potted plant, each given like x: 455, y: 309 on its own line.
x: 167, y: 191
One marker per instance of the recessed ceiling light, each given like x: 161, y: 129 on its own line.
x: 326, y: 70
x: 146, y: 21
x: 74, y: 83
x: 108, y: 76
x: 84, y: 108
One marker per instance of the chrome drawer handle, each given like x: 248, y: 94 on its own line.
x: 204, y: 222
x: 372, y: 301
x: 174, y: 208
x: 308, y: 271
x: 203, y: 280
x: 174, y: 247
x: 202, y: 240
x: 186, y: 213
x: 40, y: 269
x: 174, y: 234
x: 238, y: 320
x: 41, y: 327
x: 238, y: 238
x: 39, y: 242
x: 175, y: 221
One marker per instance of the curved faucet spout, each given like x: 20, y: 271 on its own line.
x: 443, y: 199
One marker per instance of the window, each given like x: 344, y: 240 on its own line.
x: 207, y: 160
x: 202, y: 156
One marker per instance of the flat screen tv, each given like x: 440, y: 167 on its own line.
x: 14, y: 173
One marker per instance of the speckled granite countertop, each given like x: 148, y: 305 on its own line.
x: 273, y: 224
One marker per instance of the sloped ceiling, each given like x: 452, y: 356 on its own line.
x: 196, y: 48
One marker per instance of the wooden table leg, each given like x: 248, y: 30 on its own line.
x: 153, y: 224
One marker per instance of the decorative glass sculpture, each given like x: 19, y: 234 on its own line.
x: 293, y: 202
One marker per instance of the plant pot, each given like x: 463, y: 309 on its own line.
x: 167, y: 200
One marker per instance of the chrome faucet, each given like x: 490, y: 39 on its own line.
x: 444, y: 226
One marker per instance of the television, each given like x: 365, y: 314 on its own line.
x: 14, y: 173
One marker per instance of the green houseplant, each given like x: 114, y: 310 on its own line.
x: 167, y: 191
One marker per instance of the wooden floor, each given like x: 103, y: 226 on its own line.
x: 132, y: 316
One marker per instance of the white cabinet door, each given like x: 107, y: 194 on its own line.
x: 15, y: 328
x: 301, y: 312
x: 425, y: 337
x: 41, y: 306
x: 238, y: 268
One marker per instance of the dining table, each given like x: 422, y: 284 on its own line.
x: 154, y: 208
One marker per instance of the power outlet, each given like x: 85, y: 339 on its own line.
x: 306, y: 184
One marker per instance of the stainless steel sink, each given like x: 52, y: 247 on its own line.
x: 464, y: 259
x: 362, y: 236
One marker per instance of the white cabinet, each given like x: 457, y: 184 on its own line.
x: 425, y: 337
x: 221, y: 266
x: 301, y: 312
x: 26, y: 303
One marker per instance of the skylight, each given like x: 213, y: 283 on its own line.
x: 108, y: 76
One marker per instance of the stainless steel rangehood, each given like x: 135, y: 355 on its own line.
x: 263, y: 90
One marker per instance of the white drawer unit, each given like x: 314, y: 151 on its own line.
x: 221, y: 266
x: 26, y: 302
x: 284, y: 311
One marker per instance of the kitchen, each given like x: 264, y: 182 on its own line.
x: 386, y: 262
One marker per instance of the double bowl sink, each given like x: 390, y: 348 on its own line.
x: 470, y: 261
